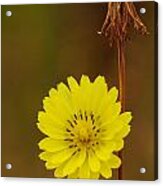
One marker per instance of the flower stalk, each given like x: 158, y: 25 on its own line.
x: 122, y: 89
x: 120, y: 17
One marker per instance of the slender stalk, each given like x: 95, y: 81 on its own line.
x: 122, y: 91
x: 120, y: 17
x: 121, y: 74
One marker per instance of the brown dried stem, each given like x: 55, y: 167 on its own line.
x: 122, y: 92
x: 119, y: 18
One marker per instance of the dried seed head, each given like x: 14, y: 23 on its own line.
x: 120, y: 16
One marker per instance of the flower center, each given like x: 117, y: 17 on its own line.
x: 83, y: 130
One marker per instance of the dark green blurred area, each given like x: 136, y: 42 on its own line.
x: 41, y: 46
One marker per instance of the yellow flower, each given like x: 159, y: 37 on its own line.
x: 84, y: 127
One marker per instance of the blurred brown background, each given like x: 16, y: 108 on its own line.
x: 41, y: 46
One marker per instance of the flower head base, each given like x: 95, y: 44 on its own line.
x: 84, y: 127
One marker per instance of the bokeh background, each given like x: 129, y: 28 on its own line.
x: 41, y: 46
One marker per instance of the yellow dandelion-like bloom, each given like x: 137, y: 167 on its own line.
x: 84, y: 127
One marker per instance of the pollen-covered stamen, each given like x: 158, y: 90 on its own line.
x: 92, y: 118
x: 75, y: 116
x: 70, y: 146
x: 86, y: 117
x: 68, y: 130
x: 83, y: 128
x: 80, y: 113
x: 68, y: 139
x: 74, y: 121
x: 73, y: 145
x: 71, y: 123
x: 94, y: 127
x: 98, y: 130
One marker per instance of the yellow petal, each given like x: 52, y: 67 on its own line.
x: 74, y: 162
x: 94, y: 175
x: 110, y: 130
x: 57, y: 106
x: 72, y: 83
x: 51, y: 131
x: 59, y: 171
x: 123, y: 132
x: 119, y: 128
x: 104, y: 150
x: 112, y: 95
x: 61, y: 156
x: 53, y: 92
x: 111, y: 113
x: 85, y: 81
x: 114, y: 161
x: 45, y: 156
x: 51, y: 145
x: 99, y: 90
x: 85, y: 90
x: 74, y: 174
x: 107, y: 100
x: 109, y: 133
x: 50, y: 165
x: 94, y: 162
x: 65, y: 98
x: 63, y: 90
x: 126, y: 117
x: 100, y: 80
x: 84, y: 170
x: 50, y: 119
x: 48, y: 105
x: 119, y: 144
x: 51, y: 126
x: 105, y: 171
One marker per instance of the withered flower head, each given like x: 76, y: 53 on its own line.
x: 120, y: 16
